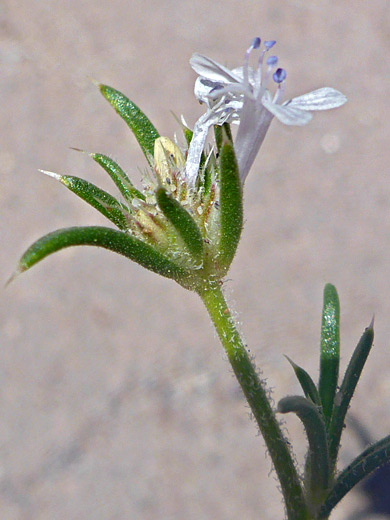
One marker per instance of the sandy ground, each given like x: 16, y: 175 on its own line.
x: 116, y: 399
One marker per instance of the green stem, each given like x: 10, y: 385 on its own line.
x: 257, y: 396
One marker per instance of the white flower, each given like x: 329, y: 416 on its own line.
x: 241, y: 96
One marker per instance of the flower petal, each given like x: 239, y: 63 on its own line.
x: 287, y: 114
x: 236, y: 89
x: 320, y: 99
x: 212, y: 70
x: 203, y: 87
x: 254, y: 123
x: 196, y: 148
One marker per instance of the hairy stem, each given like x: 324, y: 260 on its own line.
x: 257, y: 396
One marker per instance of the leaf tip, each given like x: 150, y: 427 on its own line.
x: 330, y: 290
x: 371, y: 325
x: 95, y: 82
x: 20, y: 269
x: 103, y: 88
x: 226, y: 141
x: 290, y: 361
x: 93, y: 155
x: 78, y: 150
x: 56, y: 176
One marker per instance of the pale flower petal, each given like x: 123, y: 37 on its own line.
x: 210, y: 69
x: 288, y: 115
x: 321, y: 99
x: 254, y: 123
x: 236, y: 89
x: 196, y: 148
x: 203, y: 87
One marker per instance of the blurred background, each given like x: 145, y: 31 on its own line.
x: 116, y: 398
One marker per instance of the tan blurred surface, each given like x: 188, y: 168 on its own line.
x: 116, y: 399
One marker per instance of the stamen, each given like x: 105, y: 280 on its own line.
x: 279, y: 94
x: 272, y: 61
x: 269, y: 44
x: 279, y: 75
x: 259, y: 71
x: 255, y: 44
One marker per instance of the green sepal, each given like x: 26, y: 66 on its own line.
x: 317, y: 478
x: 308, y: 386
x: 219, y: 132
x: 347, y: 389
x: 368, y: 461
x: 330, y: 350
x: 230, y: 203
x: 207, y: 177
x: 121, y: 180
x: 105, y: 203
x: 182, y: 221
x: 138, y: 122
x: 188, y: 133
x: 111, y: 239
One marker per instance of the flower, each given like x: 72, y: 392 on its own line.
x: 241, y: 96
x: 186, y: 223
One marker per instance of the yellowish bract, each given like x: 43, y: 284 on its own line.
x: 168, y: 161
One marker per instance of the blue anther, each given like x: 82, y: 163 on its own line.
x: 269, y: 44
x: 279, y: 75
x: 255, y: 43
x: 272, y: 61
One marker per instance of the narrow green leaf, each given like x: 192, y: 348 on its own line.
x: 230, y: 203
x: 368, y: 461
x: 121, y: 180
x: 330, y: 350
x: 308, y: 386
x: 347, y: 389
x: 142, y: 128
x: 318, y: 480
x: 111, y: 239
x: 182, y: 221
x: 105, y: 203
